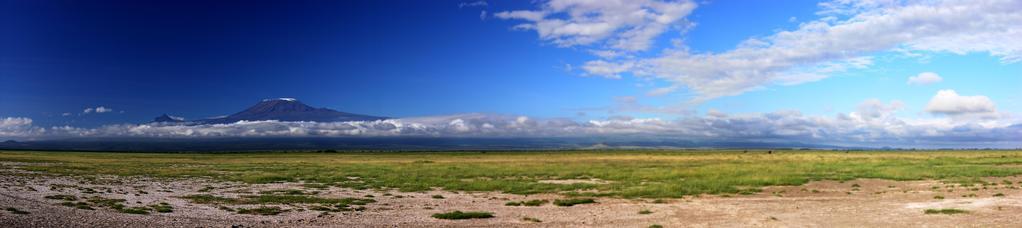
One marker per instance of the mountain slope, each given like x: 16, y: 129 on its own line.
x: 290, y: 109
x: 168, y: 119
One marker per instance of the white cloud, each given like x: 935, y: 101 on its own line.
x: 876, y: 109
x: 845, y: 38
x: 925, y: 78
x: 948, y: 102
x: 14, y: 122
x: 606, y: 54
x: 17, y: 127
x: 662, y: 91
x: 66, y: 114
x: 628, y: 25
x: 473, y: 4
x: 605, y: 69
x: 99, y: 109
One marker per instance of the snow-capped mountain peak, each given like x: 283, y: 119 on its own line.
x: 281, y: 99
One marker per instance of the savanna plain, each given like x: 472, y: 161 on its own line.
x: 619, y: 188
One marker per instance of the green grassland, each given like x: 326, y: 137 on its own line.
x: 628, y: 174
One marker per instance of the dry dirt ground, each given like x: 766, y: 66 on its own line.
x: 858, y: 203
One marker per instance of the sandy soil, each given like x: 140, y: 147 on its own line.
x: 859, y: 203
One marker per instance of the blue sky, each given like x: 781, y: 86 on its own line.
x: 540, y: 59
x: 200, y: 60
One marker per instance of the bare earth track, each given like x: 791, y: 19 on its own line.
x: 858, y: 203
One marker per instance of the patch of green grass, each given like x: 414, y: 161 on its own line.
x: 999, y: 194
x: 938, y: 197
x: 655, y: 226
x: 531, y: 219
x: 106, y: 202
x: 946, y: 211
x: 210, y: 199
x: 78, y: 205
x: 748, y: 191
x: 645, y: 212
x: 274, y: 199
x: 463, y: 215
x: 530, y: 203
x: 534, y: 203
x: 316, y: 186
x: 335, y: 208
x: 206, y: 189
x: 16, y: 211
x: 62, y: 197
x: 290, y: 199
x: 260, y: 211
x: 97, y: 201
x: 628, y: 174
x: 284, y: 192
x: 573, y: 202
x: 135, y: 210
x: 438, y: 197
x: 340, y: 207
x: 162, y: 208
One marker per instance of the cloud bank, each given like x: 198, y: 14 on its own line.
x: 872, y: 124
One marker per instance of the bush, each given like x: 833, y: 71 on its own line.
x: 464, y: 215
x: 16, y: 211
x: 946, y: 211
x: 530, y: 203
x: 573, y: 202
x: 533, y: 203
x: 531, y: 219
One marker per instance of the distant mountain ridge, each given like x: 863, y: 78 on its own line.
x: 280, y: 109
